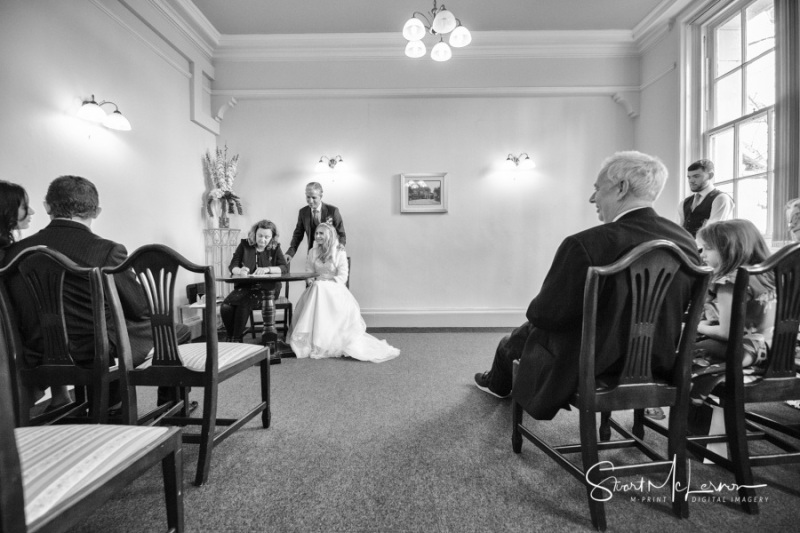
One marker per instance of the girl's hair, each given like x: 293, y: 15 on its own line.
x: 329, y: 244
x: 263, y: 224
x: 12, y: 197
x: 738, y: 243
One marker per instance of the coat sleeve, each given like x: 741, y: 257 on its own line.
x: 297, y: 235
x: 131, y: 296
x: 238, y: 257
x: 338, y: 225
x: 279, y: 260
x: 559, y: 304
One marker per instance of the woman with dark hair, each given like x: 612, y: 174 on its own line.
x: 259, y: 254
x: 327, y: 318
x: 15, y: 213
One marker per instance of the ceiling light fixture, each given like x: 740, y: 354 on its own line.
x: 438, y: 22
x: 330, y: 161
x: 92, y: 111
x: 522, y: 161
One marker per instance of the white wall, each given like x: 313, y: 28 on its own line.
x: 54, y: 54
x: 481, y: 263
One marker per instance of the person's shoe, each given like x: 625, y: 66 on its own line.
x: 482, y: 382
x: 655, y: 413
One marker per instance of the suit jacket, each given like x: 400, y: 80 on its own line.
x: 548, y: 372
x: 77, y: 242
x: 305, y: 226
x: 245, y: 255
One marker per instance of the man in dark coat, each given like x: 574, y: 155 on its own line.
x: 311, y: 215
x: 73, y: 203
x: 548, y: 345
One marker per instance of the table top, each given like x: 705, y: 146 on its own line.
x: 266, y: 278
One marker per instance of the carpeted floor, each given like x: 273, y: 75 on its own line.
x: 410, y: 445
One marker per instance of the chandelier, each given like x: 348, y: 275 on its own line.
x: 438, y: 22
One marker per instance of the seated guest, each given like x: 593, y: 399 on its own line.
x: 793, y: 218
x: 548, y: 345
x: 15, y: 213
x: 328, y: 319
x: 258, y: 254
x: 725, y: 246
x: 73, y: 204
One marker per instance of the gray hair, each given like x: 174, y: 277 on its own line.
x: 315, y: 186
x: 645, y: 174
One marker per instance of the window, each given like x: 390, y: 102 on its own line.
x: 739, y: 115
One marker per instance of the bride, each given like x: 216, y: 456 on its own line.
x: 328, y: 319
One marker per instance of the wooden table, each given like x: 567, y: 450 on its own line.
x: 267, y: 285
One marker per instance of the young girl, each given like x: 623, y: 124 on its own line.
x: 725, y: 246
x: 328, y: 319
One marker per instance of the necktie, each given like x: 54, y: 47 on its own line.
x: 696, y: 201
x: 316, y: 217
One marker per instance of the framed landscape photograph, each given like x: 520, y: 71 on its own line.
x: 423, y: 193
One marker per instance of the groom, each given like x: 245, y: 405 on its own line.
x: 311, y: 216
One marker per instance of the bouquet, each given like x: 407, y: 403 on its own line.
x: 222, y: 172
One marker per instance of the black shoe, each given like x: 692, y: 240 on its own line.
x: 482, y: 381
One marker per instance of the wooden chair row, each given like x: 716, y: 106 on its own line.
x: 45, y: 274
x: 657, y: 263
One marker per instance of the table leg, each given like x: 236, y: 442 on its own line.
x: 269, y: 335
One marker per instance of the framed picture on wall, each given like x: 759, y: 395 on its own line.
x: 423, y: 193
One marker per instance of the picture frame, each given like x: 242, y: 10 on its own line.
x: 423, y: 193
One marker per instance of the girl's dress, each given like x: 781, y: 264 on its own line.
x: 708, y: 368
x: 327, y: 318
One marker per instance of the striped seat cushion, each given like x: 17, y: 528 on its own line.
x: 59, y: 461
x: 193, y: 356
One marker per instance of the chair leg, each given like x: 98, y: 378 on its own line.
x: 676, y: 449
x: 252, y: 324
x: 589, y: 454
x: 736, y: 430
x: 172, y: 469
x: 605, y: 426
x: 516, y: 420
x: 266, y: 414
x: 638, y: 423
x: 207, y: 430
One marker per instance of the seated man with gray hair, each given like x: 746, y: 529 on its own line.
x: 549, y: 343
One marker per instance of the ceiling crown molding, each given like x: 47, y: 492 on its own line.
x: 366, y: 46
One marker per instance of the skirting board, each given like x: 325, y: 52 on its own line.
x: 443, y: 318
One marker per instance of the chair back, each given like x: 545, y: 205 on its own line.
x: 649, y: 272
x: 156, y: 268
x: 779, y: 380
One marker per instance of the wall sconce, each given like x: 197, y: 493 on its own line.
x: 92, y: 111
x: 522, y: 161
x: 330, y: 161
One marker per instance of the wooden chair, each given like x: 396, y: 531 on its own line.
x: 203, y: 365
x: 44, y: 273
x: 54, y: 477
x: 650, y: 269
x: 779, y: 381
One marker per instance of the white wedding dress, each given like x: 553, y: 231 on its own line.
x: 327, y: 318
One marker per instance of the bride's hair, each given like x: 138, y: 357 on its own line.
x: 329, y: 244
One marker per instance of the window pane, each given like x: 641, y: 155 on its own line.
x: 753, y: 146
x: 760, y: 83
x: 721, y: 153
x: 760, y: 28
x: 728, y: 49
x: 751, y: 201
x: 728, y: 98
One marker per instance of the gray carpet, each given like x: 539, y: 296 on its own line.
x: 409, y: 445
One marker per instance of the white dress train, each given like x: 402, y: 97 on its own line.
x: 327, y: 318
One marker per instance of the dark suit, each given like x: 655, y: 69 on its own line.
x: 305, y: 226
x: 77, y: 242
x: 548, y: 373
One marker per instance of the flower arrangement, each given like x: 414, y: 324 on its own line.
x: 222, y: 172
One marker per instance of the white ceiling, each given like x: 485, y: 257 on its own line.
x: 244, y: 17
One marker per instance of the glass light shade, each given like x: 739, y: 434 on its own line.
x: 526, y: 162
x: 460, y: 37
x: 415, y: 49
x: 444, y: 22
x: 116, y: 121
x: 509, y: 162
x: 441, y: 52
x: 91, y: 111
x: 414, y: 29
